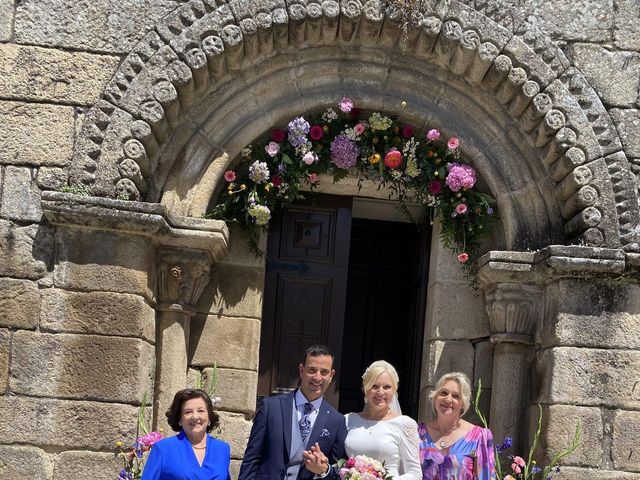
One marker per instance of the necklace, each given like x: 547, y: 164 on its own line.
x: 199, y: 448
x: 442, y: 443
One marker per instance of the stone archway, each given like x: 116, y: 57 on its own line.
x: 153, y: 108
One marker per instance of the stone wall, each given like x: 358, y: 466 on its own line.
x: 77, y: 319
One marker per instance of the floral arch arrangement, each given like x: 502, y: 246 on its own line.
x: 422, y: 169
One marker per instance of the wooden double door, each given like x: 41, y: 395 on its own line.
x: 356, y: 285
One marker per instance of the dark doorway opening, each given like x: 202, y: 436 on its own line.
x: 384, y: 312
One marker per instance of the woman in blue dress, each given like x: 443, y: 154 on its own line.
x: 192, y: 454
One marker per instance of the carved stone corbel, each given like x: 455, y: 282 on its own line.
x: 513, y: 311
x: 182, y: 277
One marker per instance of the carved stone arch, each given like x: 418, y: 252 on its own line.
x: 155, y: 124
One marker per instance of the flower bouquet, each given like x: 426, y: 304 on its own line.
x: 361, y: 467
x: 422, y: 168
x: 529, y: 469
x: 134, y: 455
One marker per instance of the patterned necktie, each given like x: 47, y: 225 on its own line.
x: 305, y: 421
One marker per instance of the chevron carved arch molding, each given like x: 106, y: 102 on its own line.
x: 200, y: 45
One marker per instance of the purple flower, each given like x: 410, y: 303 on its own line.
x: 508, y: 441
x: 259, y: 172
x: 460, y: 176
x: 536, y: 469
x: 433, y: 134
x: 298, y: 130
x: 344, y: 152
x: 346, y: 104
x: 490, y: 212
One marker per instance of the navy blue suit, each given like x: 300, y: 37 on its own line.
x: 267, y: 452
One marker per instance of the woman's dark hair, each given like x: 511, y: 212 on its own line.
x: 175, y: 410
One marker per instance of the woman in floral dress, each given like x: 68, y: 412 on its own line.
x: 452, y: 448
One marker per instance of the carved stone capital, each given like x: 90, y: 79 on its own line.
x: 513, y: 311
x: 182, y: 277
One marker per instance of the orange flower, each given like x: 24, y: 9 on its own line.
x: 393, y: 159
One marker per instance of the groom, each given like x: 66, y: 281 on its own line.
x: 288, y: 425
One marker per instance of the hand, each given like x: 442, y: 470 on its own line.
x: 315, y: 461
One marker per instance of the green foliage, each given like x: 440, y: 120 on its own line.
x: 76, y: 189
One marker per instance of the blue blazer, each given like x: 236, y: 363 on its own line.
x: 267, y: 453
x: 173, y: 458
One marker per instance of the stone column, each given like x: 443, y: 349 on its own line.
x: 182, y: 276
x: 513, y: 311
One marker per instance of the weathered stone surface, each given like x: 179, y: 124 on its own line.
x: 66, y: 423
x: 51, y: 178
x: 240, y: 252
x: 6, y: 20
x: 226, y: 341
x: 483, y: 364
x: 234, y: 468
x: 611, y: 317
x: 597, y: 63
x: 574, y: 473
x: 626, y: 33
x: 35, y: 134
x: 443, y: 264
x: 24, y: 463
x: 559, y: 424
x: 579, y: 20
x: 25, y: 252
x: 19, y: 304
x: 104, y: 261
x: 97, y: 312
x: 236, y: 388
x: 74, y: 465
x: 235, y: 431
x: 43, y: 74
x: 5, y: 341
x: 88, y: 25
x: 589, y: 377
x: 453, y: 312
x: 20, y: 195
x: 447, y: 356
x: 65, y: 366
x: 626, y: 438
x: 628, y: 125
x: 233, y: 291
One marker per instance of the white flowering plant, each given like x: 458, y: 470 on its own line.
x: 422, y: 168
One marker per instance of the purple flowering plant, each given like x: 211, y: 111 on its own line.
x: 517, y: 468
x: 133, y: 455
x: 417, y: 167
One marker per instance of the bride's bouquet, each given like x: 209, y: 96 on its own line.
x: 361, y: 467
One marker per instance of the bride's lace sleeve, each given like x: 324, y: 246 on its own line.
x: 409, y: 452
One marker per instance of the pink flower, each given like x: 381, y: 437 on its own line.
x: 359, y: 128
x: 150, y: 438
x: 393, y: 159
x: 435, y: 187
x: 509, y: 477
x: 515, y: 468
x: 460, y: 176
x: 433, y: 135
x: 229, y: 176
x: 407, y: 131
x: 272, y: 149
x: 313, y: 178
x: 278, y: 135
x: 518, y: 461
x: 316, y: 132
x: 461, y: 208
x: 310, y: 158
x: 346, y: 104
x: 462, y: 258
x: 453, y: 143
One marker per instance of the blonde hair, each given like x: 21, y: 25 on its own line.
x: 374, y: 370
x: 465, y: 389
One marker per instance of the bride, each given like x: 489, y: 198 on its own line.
x: 380, y: 431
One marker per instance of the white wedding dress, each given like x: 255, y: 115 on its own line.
x: 394, y: 442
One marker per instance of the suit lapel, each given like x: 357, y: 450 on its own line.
x: 286, y: 406
x: 321, y: 421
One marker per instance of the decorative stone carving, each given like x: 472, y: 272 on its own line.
x: 182, y: 276
x: 513, y: 311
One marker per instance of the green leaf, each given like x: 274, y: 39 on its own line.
x: 286, y: 159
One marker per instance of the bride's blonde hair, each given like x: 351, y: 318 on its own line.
x: 374, y: 370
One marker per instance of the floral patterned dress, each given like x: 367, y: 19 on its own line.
x: 469, y: 458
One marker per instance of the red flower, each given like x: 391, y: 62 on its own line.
x: 278, y: 135
x: 393, y: 159
x: 435, y: 187
x: 407, y: 131
x: 276, y: 180
x: 316, y: 132
x: 230, y: 176
x: 463, y: 257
